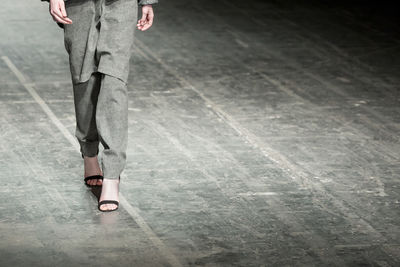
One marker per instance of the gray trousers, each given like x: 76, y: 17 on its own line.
x: 101, y: 109
x: 99, y: 43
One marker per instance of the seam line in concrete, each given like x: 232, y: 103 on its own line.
x: 132, y: 211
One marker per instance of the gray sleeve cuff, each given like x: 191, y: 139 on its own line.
x: 147, y: 2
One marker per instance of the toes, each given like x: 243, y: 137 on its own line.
x: 94, y: 182
x: 108, y: 206
x: 111, y: 206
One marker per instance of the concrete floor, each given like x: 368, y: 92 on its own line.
x: 260, y: 134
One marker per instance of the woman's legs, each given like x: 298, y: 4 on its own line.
x: 112, y: 126
x: 99, y: 41
x: 85, y: 100
x: 101, y: 108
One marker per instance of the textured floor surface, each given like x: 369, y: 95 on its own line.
x: 261, y: 133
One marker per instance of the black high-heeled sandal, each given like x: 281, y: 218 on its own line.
x: 109, y: 201
x: 92, y: 178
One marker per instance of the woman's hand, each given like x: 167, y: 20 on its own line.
x: 58, y: 12
x: 147, y: 18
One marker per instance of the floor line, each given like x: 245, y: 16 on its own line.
x: 132, y: 211
x: 41, y: 102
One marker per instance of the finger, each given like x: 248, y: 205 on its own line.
x: 149, y: 22
x: 58, y: 14
x: 62, y: 13
x: 66, y: 19
x: 56, y: 11
x: 61, y: 19
x: 62, y: 9
x: 142, y: 24
x: 146, y: 26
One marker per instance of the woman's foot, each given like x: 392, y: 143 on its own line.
x: 109, y: 191
x: 92, y: 167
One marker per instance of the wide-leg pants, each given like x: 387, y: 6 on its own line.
x: 99, y: 43
x: 101, y: 108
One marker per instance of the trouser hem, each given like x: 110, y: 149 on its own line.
x: 112, y: 167
x: 89, y: 149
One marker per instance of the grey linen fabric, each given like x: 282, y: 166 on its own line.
x: 100, y: 37
x: 101, y: 108
x: 99, y: 44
